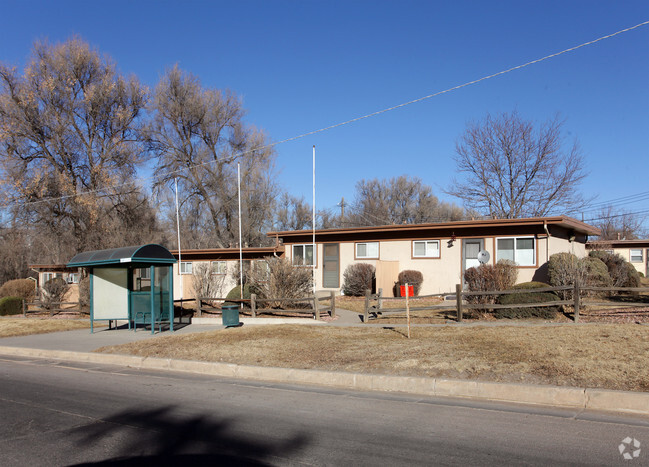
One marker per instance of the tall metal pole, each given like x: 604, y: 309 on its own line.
x: 240, y: 246
x: 178, y: 230
x: 313, y: 223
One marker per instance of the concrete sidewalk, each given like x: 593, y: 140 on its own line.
x: 79, y: 345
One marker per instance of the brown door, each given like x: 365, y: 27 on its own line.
x: 331, y: 266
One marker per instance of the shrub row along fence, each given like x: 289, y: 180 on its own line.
x: 481, y: 301
x: 315, y: 305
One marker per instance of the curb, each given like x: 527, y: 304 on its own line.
x: 565, y: 397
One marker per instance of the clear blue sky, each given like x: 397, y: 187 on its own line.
x: 304, y: 65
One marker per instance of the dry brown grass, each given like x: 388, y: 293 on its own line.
x: 11, y: 327
x: 598, y: 356
x: 357, y: 304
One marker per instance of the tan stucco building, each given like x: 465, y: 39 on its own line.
x: 223, y: 264
x: 441, y: 251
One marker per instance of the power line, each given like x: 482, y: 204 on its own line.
x: 613, y: 216
x: 617, y: 201
x: 363, y: 117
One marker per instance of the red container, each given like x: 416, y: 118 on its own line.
x: 410, y: 290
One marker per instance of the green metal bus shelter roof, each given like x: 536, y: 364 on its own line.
x: 151, y: 253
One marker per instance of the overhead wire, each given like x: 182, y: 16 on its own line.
x: 614, y: 216
x: 353, y: 120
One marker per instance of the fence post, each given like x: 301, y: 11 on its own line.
x: 458, y: 298
x: 576, y: 305
x: 380, y: 303
x: 199, y: 305
x: 316, y: 308
x: 333, y: 304
x: 24, y: 309
x: 253, y: 304
x: 367, y: 306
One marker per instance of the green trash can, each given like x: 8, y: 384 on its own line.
x: 230, y: 315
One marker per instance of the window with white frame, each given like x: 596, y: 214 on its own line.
x: 73, y: 278
x: 636, y: 255
x: 186, y: 267
x: 521, y: 250
x: 303, y: 255
x: 47, y: 276
x: 425, y: 249
x: 261, y: 270
x: 219, y: 267
x: 367, y: 250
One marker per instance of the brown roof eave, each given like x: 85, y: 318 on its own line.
x: 270, y: 250
x: 563, y: 221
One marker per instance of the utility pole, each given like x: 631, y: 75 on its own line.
x: 342, y: 209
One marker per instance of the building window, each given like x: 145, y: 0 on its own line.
x: 73, y: 278
x: 368, y: 250
x: 425, y: 249
x: 303, y: 255
x: 520, y: 250
x: 261, y: 270
x: 219, y: 267
x: 47, y: 276
x: 186, y: 267
x: 636, y: 256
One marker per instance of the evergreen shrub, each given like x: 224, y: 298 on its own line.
x: 11, y: 306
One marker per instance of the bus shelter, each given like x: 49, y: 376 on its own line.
x: 131, y: 283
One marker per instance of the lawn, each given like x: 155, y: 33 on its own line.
x: 11, y: 327
x: 612, y: 356
x: 357, y: 304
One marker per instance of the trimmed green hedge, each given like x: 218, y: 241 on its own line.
x: 11, y: 306
x: 235, y: 294
x: 525, y: 298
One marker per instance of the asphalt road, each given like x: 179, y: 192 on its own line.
x: 55, y: 413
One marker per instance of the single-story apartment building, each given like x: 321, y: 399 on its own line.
x: 634, y: 251
x: 72, y: 276
x: 440, y: 251
x: 223, y: 264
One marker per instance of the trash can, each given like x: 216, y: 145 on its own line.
x: 230, y: 315
x: 411, y: 290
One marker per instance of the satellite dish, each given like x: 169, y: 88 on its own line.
x: 483, y: 256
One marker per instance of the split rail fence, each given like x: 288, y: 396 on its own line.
x: 316, y: 305
x: 374, y: 302
x: 53, y: 308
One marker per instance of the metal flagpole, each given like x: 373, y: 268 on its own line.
x: 240, y: 250
x: 313, y: 222
x: 178, y: 230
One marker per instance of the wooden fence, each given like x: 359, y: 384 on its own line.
x: 374, y: 302
x: 53, y: 308
x: 316, y: 305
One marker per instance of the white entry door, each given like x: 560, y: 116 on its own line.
x: 470, y: 249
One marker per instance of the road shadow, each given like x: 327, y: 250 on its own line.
x: 160, y: 437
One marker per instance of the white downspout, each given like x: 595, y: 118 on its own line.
x: 547, y: 241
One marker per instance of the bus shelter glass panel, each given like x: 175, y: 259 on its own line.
x: 162, y: 292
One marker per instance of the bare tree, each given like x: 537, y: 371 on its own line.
x: 293, y: 213
x: 206, y: 284
x: 199, y: 136
x: 512, y: 170
x: 69, y: 145
x: 15, y: 254
x: 617, y: 224
x: 399, y: 200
